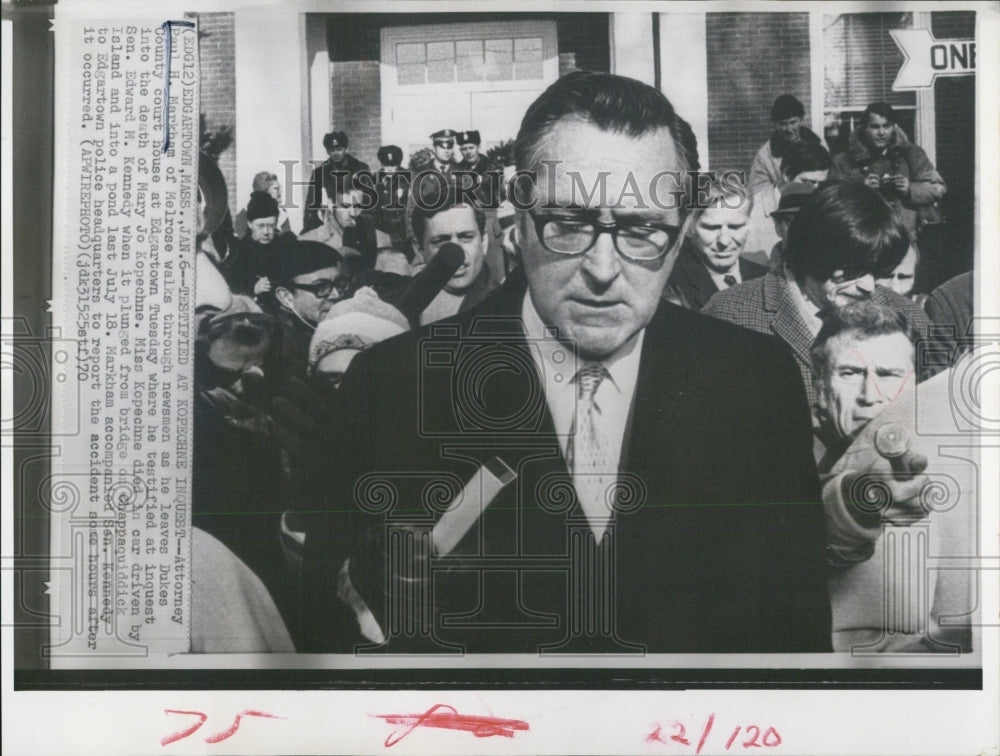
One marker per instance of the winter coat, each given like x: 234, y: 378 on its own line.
x: 901, y: 158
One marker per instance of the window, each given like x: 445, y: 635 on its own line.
x: 861, y: 62
x: 466, y: 60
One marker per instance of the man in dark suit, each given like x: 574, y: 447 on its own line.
x: 333, y: 178
x: 710, y: 259
x: 574, y: 465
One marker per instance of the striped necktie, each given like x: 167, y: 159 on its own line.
x: 593, y: 476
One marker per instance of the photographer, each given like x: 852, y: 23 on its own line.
x: 880, y: 156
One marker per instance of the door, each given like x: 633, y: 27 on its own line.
x: 463, y: 76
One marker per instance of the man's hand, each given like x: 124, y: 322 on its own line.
x: 262, y: 286
x: 888, y: 491
x: 902, y: 184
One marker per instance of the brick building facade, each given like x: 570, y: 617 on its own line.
x: 721, y: 70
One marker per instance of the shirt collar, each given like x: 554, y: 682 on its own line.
x: 557, y: 361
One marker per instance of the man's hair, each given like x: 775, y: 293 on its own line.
x: 262, y: 181
x: 611, y: 103
x: 864, y: 319
x: 805, y: 156
x: 787, y: 106
x: 883, y: 109
x: 845, y: 226
x: 730, y: 192
x: 435, y: 197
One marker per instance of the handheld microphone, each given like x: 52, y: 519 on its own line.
x: 892, y: 441
x: 428, y: 283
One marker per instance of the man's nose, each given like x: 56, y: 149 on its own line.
x: 870, y: 393
x: 724, y: 237
x: 865, y: 284
x: 602, y: 263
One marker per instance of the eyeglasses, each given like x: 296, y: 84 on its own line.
x: 323, y: 288
x: 575, y: 235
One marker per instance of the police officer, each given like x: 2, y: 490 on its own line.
x: 393, y: 192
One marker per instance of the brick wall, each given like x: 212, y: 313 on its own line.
x: 216, y: 43
x: 356, y: 106
x: 752, y: 58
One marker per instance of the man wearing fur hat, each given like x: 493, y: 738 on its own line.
x: 393, y: 191
x: 880, y: 155
x: 246, y: 273
x: 331, y: 178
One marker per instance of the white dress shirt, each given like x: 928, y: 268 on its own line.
x: 719, y: 279
x: 557, y: 365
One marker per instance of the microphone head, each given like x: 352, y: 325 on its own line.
x: 892, y: 440
x: 450, y: 255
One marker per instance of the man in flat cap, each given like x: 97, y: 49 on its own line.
x: 331, y: 178
x: 393, y: 192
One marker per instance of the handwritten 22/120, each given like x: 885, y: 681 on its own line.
x: 742, y: 736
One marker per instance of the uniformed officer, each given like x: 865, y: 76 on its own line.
x: 393, y: 193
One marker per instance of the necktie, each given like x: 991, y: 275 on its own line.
x: 729, y: 279
x: 591, y: 458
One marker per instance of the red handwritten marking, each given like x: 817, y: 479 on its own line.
x: 481, y: 727
x: 219, y: 737
x: 733, y: 737
x: 654, y: 736
x: 181, y: 734
x: 704, y: 733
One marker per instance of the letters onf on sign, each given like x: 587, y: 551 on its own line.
x: 927, y: 58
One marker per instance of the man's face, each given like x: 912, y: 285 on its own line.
x: 310, y: 306
x: 274, y: 189
x: 865, y: 375
x: 815, y: 178
x: 470, y: 152
x: 598, y: 300
x: 719, y: 235
x: 262, y: 230
x: 789, y: 128
x: 458, y: 225
x: 879, y: 130
x: 347, y: 210
x: 838, y: 290
x: 337, y: 154
x: 444, y: 150
x: 902, y: 279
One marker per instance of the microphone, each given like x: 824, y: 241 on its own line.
x: 428, y: 283
x: 892, y: 441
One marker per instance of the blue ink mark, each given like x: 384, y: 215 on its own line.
x: 167, y: 43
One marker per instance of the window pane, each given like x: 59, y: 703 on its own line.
x: 528, y: 49
x: 470, y: 47
x: 528, y: 70
x: 862, y: 60
x: 410, y: 53
x: 499, y: 59
x: 411, y: 73
x: 440, y: 51
x: 470, y: 68
x: 440, y: 71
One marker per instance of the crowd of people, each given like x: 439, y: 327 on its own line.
x: 638, y: 368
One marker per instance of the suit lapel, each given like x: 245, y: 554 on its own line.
x: 786, y: 322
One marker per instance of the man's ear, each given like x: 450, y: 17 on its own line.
x: 284, y: 297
